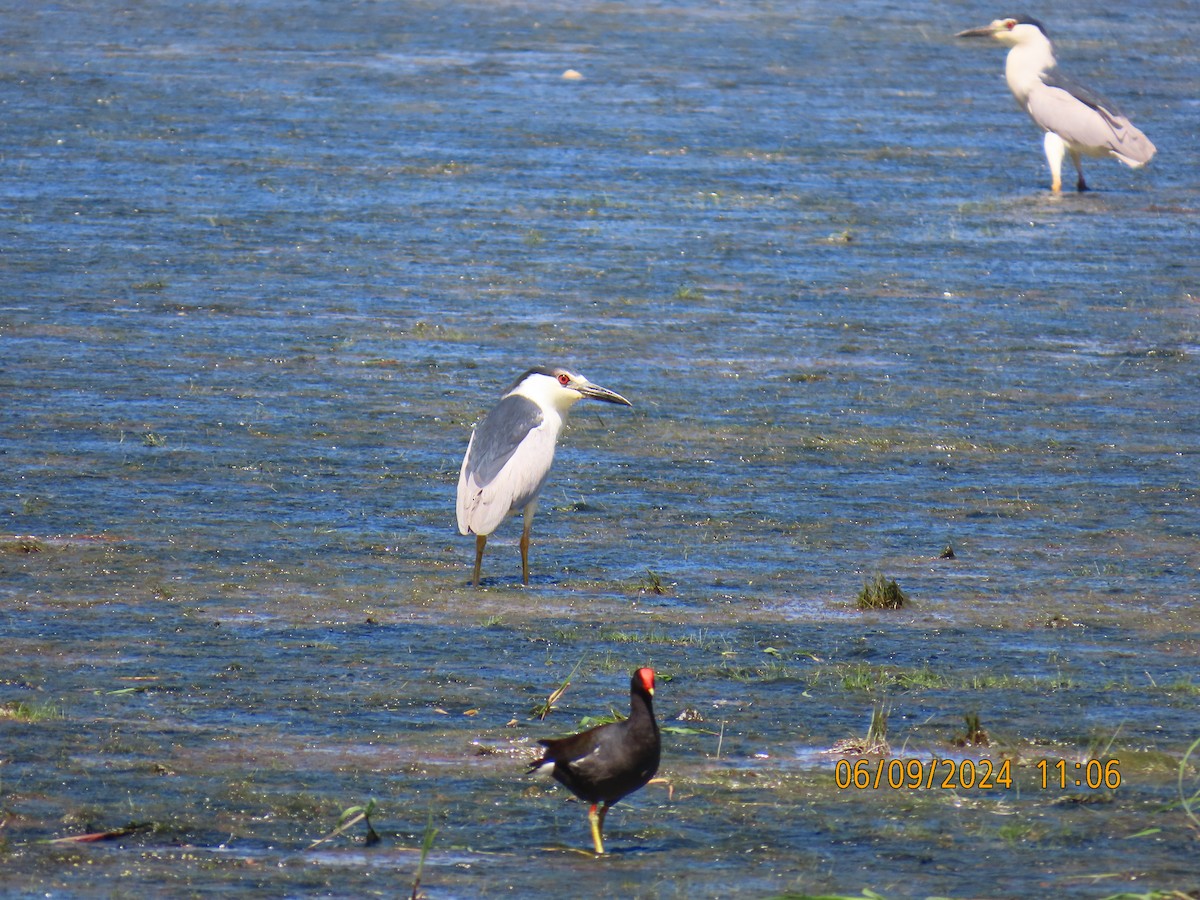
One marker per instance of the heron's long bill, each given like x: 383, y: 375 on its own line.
x: 595, y: 392
x: 982, y: 31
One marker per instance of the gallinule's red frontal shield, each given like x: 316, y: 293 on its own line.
x: 604, y: 764
x: 510, y: 452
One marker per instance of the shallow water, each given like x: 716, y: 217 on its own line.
x: 263, y: 268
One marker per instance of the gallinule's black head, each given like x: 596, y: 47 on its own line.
x: 608, y: 762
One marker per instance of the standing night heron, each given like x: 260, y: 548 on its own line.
x: 1076, y: 120
x: 511, y: 450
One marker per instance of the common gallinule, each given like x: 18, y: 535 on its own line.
x: 510, y: 452
x: 608, y: 762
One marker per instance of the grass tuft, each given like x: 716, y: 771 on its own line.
x: 881, y: 593
x: 652, y: 583
x: 20, y: 711
x: 876, y: 739
x: 974, y: 736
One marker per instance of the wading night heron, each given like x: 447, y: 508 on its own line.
x: 1076, y: 120
x: 511, y: 450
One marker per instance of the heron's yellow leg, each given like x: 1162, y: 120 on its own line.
x: 1056, y: 149
x: 480, y: 543
x: 528, y: 517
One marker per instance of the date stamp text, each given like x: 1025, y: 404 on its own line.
x: 966, y: 774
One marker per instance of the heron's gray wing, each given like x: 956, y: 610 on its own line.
x: 499, y: 435
x: 483, y: 500
x: 1084, y: 95
x: 1086, y: 121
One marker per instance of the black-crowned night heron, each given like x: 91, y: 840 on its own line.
x: 511, y: 450
x: 1076, y: 120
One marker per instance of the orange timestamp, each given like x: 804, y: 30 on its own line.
x: 1091, y: 773
x: 965, y: 774
x: 913, y: 774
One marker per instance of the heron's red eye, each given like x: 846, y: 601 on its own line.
x: 1010, y: 24
x: 564, y: 379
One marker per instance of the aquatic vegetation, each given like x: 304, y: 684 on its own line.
x: 1189, y: 794
x: 654, y: 636
x: 33, y: 505
x: 1018, y: 832
x: 868, y: 677
x: 761, y: 673
x: 543, y: 709
x: 1183, y: 685
x: 875, y: 741
x: 613, y: 715
x: 882, y: 593
x: 652, y: 583
x: 1101, y: 745
x: 974, y: 736
x: 22, y: 545
x: 427, y: 839
x: 31, y: 712
x: 877, y: 730
x: 348, y: 819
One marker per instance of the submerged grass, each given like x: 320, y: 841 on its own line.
x: 348, y: 819
x: 1184, y: 686
x: 22, y: 545
x: 22, y: 711
x: 765, y: 672
x: 698, y: 639
x: 426, y: 845
x: 867, y: 677
x: 1189, y: 794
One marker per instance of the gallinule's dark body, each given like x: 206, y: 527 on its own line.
x: 604, y: 764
